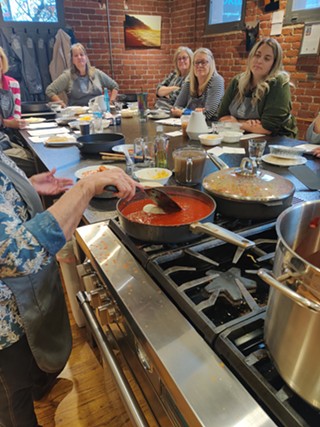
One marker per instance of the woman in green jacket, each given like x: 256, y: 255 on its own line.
x: 260, y: 97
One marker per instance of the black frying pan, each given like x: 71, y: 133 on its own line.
x: 94, y: 143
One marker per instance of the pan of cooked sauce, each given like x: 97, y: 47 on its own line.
x: 192, y: 210
x: 197, y: 207
x: 194, y: 219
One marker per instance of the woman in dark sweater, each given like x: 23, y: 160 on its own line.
x: 260, y: 97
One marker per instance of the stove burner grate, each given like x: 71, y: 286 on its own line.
x: 208, y: 288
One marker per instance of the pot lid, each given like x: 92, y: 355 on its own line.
x: 264, y: 186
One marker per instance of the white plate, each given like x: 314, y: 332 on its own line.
x: 81, y: 173
x: 278, y: 161
x: 120, y: 148
x: 33, y: 120
x: 158, y: 116
x: 75, y: 110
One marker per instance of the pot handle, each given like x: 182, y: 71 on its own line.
x: 285, y: 290
x: 221, y: 233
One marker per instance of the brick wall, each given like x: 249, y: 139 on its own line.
x: 183, y: 23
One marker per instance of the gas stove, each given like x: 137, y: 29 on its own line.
x: 223, y: 302
x: 226, y: 304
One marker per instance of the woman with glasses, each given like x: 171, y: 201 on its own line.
x: 169, y: 88
x: 81, y: 82
x: 203, y: 89
x: 260, y: 97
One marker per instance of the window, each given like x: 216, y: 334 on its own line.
x: 300, y: 11
x: 225, y: 16
x: 31, y: 11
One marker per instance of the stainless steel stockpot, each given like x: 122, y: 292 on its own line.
x: 292, y: 325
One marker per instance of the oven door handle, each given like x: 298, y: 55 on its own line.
x: 129, y: 400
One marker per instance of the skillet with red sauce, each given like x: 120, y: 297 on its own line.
x: 193, y: 209
x: 180, y: 227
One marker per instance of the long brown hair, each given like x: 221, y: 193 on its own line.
x: 275, y: 71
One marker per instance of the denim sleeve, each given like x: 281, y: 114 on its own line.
x: 47, y: 231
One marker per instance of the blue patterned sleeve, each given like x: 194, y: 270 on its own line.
x: 25, y: 244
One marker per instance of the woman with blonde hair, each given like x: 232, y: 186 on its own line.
x: 81, y: 82
x: 260, y: 97
x: 169, y: 88
x: 204, y: 87
x: 10, y: 101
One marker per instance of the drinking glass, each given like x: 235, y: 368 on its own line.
x: 256, y: 150
x: 142, y: 106
x: 143, y: 154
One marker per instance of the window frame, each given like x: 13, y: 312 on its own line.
x: 301, y: 16
x: 31, y: 25
x: 225, y: 27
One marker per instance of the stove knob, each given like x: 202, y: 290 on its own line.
x: 144, y: 360
x: 108, y: 313
x: 85, y: 268
x: 97, y: 297
x: 91, y: 282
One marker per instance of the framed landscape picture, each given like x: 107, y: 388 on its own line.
x: 142, y: 31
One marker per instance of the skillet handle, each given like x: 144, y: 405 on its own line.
x: 221, y: 233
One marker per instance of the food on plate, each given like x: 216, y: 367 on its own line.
x: 192, y: 210
x: 101, y: 168
x: 58, y: 138
x: 127, y: 113
x: 86, y: 118
x: 34, y: 120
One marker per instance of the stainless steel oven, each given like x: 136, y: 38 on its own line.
x: 184, y: 382
x: 188, y: 322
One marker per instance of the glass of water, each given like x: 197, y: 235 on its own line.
x: 256, y: 149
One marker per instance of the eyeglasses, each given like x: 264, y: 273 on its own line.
x: 201, y: 63
x: 183, y: 58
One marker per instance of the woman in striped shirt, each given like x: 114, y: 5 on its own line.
x: 203, y: 89
x: 10, y: 113
x: 10, y: 102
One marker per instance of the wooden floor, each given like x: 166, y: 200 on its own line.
x: 79, y: 397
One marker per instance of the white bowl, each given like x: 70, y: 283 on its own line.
x: 234, y: 126
x: 159, y: 175
x: 210, y: 139
x: 231, y: 136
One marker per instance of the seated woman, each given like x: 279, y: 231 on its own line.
x: 313, y: 131
x: 10, y: 111
x: 169, y: 88
x: 260, y: 97
x: 203, y: 89
x: 81, y: 82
